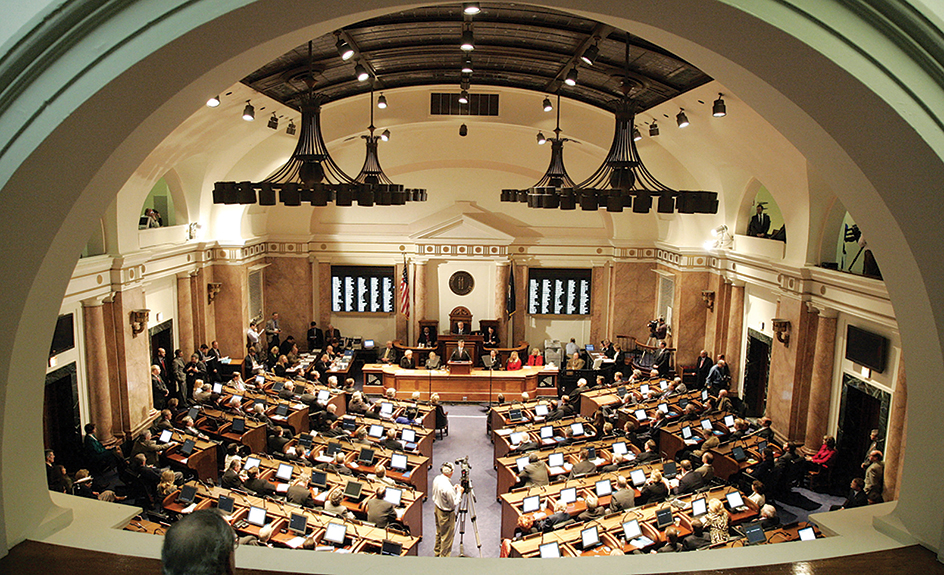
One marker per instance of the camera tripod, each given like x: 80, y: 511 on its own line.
x: 467, y: 504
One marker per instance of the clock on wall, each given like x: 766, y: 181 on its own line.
x: 461, y: 283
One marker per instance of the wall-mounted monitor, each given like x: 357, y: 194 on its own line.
x: 866, y: 348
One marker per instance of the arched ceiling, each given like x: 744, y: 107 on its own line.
x: 516, y: 45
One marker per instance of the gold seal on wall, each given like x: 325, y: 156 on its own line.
x: 461, y: 283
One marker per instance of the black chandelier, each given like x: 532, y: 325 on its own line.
x: 311, y: 174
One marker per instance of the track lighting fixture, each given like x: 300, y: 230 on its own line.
x: 471, y: 8
x: 213, y: 102
x: 719, y: 110
x: 541, y: 139
x: 290, y: 130
x: 547, y: 104
x: 345, y: 50
x: 571, y: 79
x: 249, y: 113
x: 361, y: 72
x: 468, y: 41
x: 467, y: 65
x: 273, y: 122
x: 463, y: 130
x: 653, y: 129
x: 636, y: 135
x: 590, y: 55
x: 681, y: 118
x: 464, y: 97
x: 385, y: 135
x: 382, y: 101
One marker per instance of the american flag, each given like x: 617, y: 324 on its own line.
x: 405, y: 292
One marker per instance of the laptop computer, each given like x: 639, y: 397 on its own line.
x: 706, y: 425
x: 729, y: 420
x: 251, y: 462
x: 281, y: 409
x: 319, y: 479
x: 277, y: 386
x: 517, y: 437
x: 257, y: 516
x: 376, y: 431
x: 641, y: 415
x: 737, y: 452
x: 521, y: 462
x: 333, y: 448
x: 514, y: 415
x: 284, y: 472
x: 568, y: 495
x: 621, y: 391
x: 353, y: 490
x: 393, y: 496
x: 547, y: 432
x: 218, y: 388
x: 631, y: 529
x: 194, y: 412
x: 577, y: 428
x: 638, y: 477
x: 298, y: 524
x: 408, y: 435
x: 531, y: 504
x: 540, y: 410
x: 807, y: 534
x: 687, y: 432
x: 664, y: 518
x: 366, y: 456
x: 398, y: 462
x: 669, y: 469
x: 386, y: 409
x: 555, y: 463
x: 335, y: 533
x: 187, y: 494
x: 755, y: 534
x: 735, y: 501
x: 323, y: 396
x: 549, y: 550
x: 603, y: 487
x: 304, y: 440
x: 699, y: 507
x: 644, y: 389
x: 226, y: 504
x: 663, y: 407
x: 704, y: 395
x: 239, y: 425
x: 589, y: 538
x: 590, y: 348
x: 166, y: 436
x: 392, y: 548
x: 368, y: 344
x: 620, y: 448
x: 187, y: 447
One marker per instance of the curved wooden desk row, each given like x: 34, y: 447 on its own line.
x: 610, y: 395
x: 508, y: 467
x: 610, y: 526
x: 416, y: 474
x: 361, y: 537
x: 509, y: 438
x: 423, y: 442
x: 500, y: 415
x: 479, y: 385
x: 202, y: 460
x: 725, y: 464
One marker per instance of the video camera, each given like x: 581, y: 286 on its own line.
x: 465, y: 469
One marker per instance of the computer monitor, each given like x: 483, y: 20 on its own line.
x: 187, y: 447
x: 281, y: 409
x: 521, y: 462
x: 631, y: 530
x: 277, y: 386
x: 218, y: 388
x: 638, y: 477
x: 335, y: 533
x: 239, y: 425
x: 761, y: 446
x: 389, y: 547
x: 755, y: 534
x: 663, y: 407
x: 549, y: 550
x: 641, y: 415
x: 187, y: 494
x: 547, y: 432
x: 704, y: 395
x: 398, y: 462
x: 298, y: 524
x: 699, y: 507
x: 393, y: 496
x: 348, y: 423
x: 226, y: 504
x: 729, y: 420
x: 663, y: 385
x: 577, y: 428
x: 284, y: 472
x: 323, y: 396
x: 621, y: 391
x: 353, y: 489
x: 257, y: 516
x: 555, y: 460
x: 408, y: 435
x: 514, y: 415
x: 304, y: 440
x: 376, y: 431
x: 260, y: 401
x: 620, y: 448
x: 238, y: 398
x: 591, y: 453
x: 669, y: 469
x: 644, y: 389
x: 368, y: 344
x: 319, y: 479
x: 683, y: 403
x: 366, y: 456
x: 386, y: 408
x: 540, y: 410
x: 531, y: 504
x: 166, y: 436
x: 737, y: 452
x: 194, y: 412
x: 568, y: 495
x: 807, y: 534
x: 251, y: 462
x: 589, y: 538
x: 664, y: 518
x: 603, y: 487
x: 333, y: 448
x: 687, y: 432
x: 734, y: 499
x: 706, y: 425
x: 590, y: 348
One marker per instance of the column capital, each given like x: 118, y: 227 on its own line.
x: 822, y: 310
x: 98, y: 300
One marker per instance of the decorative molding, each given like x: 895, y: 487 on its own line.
x: 709, y: 298
x: 213, y: 289
x: 781, y: 327
x: 139, y: 319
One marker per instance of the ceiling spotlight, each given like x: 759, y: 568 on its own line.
x: 467, y: 65
x: 547, y: 104
x: 541, y: 139
x: 636, y: 135
x: 273, y: 122
x: 468, y: 42
x: 464, y: 97
x: 681, y: 118
x: 361, y: 72
x: 571, y: 79
x: 249, y: 113
x: 471, y: 8
x: 463, y: 130
x: 344, y: 49
x: 290, y: 130
x: 718, y: 109
x: 382, y: 101
x: 590, y: 55
x: 653, y: 129
x: 213, y: 102
x: 385, y: 135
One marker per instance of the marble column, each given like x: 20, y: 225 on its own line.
x: 419, y: 295
x: 501, y: 309
x: 323, y: 281
x: 821, y: 381
x: 185, y: 314
x: 897, y: 435
x: 735, y: 335
x: 198, y: 307
x: 96, y: 366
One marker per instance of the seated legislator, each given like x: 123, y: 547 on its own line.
x: 535, y: 359
x: 491, y: 338
x: 388, y: 355
x: 433, y: 361
x: 575, y: 362
x: 379, y: 511
x: 406, y: 362
x: 427, y: 338
x: 492, y: 360
x: 461, y: 329
x: 460, y: 353
x: 514, y: 362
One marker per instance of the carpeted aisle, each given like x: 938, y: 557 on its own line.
x: 467, y: 438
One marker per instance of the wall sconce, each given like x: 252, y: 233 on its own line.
x: 709, y: 299
x: 213, y: 288
x: 139, y: 319
x: 781, y: 327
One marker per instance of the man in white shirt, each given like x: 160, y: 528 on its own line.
x: 252, y: 337
x: 446, y: 497
x: 571, y: 348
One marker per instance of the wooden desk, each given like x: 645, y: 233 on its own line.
x: 426, y: 412
x: 501, y: 438
x: 416, y: 475
x: 424, y: 437
x: 479, y: 385
x: 202, y: 460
